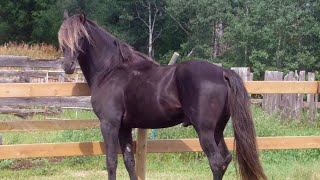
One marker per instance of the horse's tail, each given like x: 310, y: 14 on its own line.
x: 244, y: 132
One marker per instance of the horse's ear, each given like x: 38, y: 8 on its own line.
x: 65, y: 15
x: 82, y: 17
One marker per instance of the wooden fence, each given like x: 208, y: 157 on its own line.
x: 290, y: 106
x: 22, y: 69
x: 28, y: 90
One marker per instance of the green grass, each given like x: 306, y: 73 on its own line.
x: 278, y: 164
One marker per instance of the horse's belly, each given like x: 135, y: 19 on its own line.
x: 153, y: 119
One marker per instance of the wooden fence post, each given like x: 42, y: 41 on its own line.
x: 243, y: 72
x: 312, y: 101
x: 61, y: 77
x: 299, y: 103
x: 141, y: 145
x: 174, y: 58
x: 271, y: 102
x: 47, y: 77
x: 141, y: 153
x: 288, y: 100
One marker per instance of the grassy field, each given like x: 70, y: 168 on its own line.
x: 34, y: 50
x: 278, y: 164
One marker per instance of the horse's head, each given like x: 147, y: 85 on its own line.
x: 73, y: 40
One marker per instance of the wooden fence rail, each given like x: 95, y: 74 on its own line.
x: 48, y: 125
x: 81, y: 89
x: 43, y: 89
x: 152, y: 146
x: 24, y: 61
x: 79, y: 101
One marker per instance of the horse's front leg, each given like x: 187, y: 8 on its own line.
x: 110, y: 133
x: 125, y: 140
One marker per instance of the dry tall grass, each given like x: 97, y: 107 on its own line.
x: 34, y: 51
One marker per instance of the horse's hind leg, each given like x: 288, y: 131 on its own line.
x: 211, y: 149
x: 223, y: 149
x: 210, y: 121
x: 225, y: 154
x: 125, y: 140
x: 207, y: 124
x: 217, y: 152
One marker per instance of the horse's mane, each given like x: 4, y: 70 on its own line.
x: 72, y: 29
x: 70, y: 32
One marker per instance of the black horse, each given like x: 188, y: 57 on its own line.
x: 129, y: 90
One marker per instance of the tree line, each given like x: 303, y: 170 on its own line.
x: 264, y: 35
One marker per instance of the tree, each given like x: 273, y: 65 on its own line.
x: 266, y: 34
x: 203, y: 21
x: 154, y: 13
x: 16, y: 20
x: 274, y: 35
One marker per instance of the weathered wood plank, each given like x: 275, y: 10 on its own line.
x: 27, y: 112
x: 243, y: 72
x: 24, y: 61
x: 153, y: 146
x: 74, y: 102
x: 46, y: 125
x: 20, y: 79
x: 312, y: 100
x: 43, y: 89
x: 33, y: 73
x: 281, y: 87
x: 79, y: 101
x: 299, y: 100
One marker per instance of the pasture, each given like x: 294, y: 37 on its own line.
x: 278, y: 164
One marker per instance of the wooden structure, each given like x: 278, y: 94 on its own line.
x: 290, y: 106
x: 153, y: 146
x: 244, y: 73
x: 22, y: 69
x: 28, y: 90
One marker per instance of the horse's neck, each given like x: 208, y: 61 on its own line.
x: 101, y: 55
x: 104, y: 54
x: 93, y: 60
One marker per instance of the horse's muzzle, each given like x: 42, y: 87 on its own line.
x: 68, y: 66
